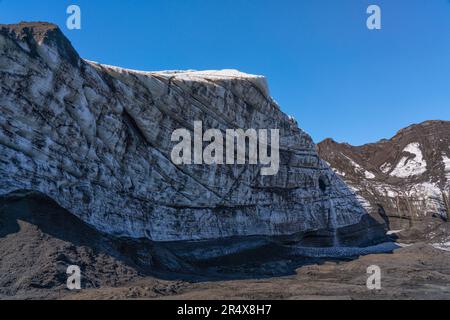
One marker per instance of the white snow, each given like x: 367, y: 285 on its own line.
x: 386, y: 189
x: 407, y: 166
x: 385, y: 168
x: 359, y: 169
x: 84, y: 117
x: 369, y: 175
x: 222, y: 74
x: 339, y: 252
x: 365, y: 204
x: 425, y: 191
x: 340, y: 173
x: 393, y: 232
x: 225, y: 73
x: 442, y: 246
x: 353, y: 163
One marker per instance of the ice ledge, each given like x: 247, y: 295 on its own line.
x: 194, y: 75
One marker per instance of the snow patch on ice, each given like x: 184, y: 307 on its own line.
x: 390, y: 232
x: 342, y: 252
x: 407, y: 166
x: 364, y: 203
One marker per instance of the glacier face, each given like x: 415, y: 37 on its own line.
x: 97, y: 139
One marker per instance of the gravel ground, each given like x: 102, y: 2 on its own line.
x: 38, y: 241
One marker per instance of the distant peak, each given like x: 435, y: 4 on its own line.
x: 423, y: 128
x: 328, y: 140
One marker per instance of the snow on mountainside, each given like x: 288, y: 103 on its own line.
x: 410, y: 166
x: 411, y: 182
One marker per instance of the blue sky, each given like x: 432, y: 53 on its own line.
x: 324, y: 66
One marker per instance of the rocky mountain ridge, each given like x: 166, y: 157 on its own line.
x: 403, y: 181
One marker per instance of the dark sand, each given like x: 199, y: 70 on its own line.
x: 38, y: 241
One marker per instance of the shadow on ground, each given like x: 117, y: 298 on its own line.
x: 39, y: 240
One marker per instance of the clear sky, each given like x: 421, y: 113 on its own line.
x: 324, y: 67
